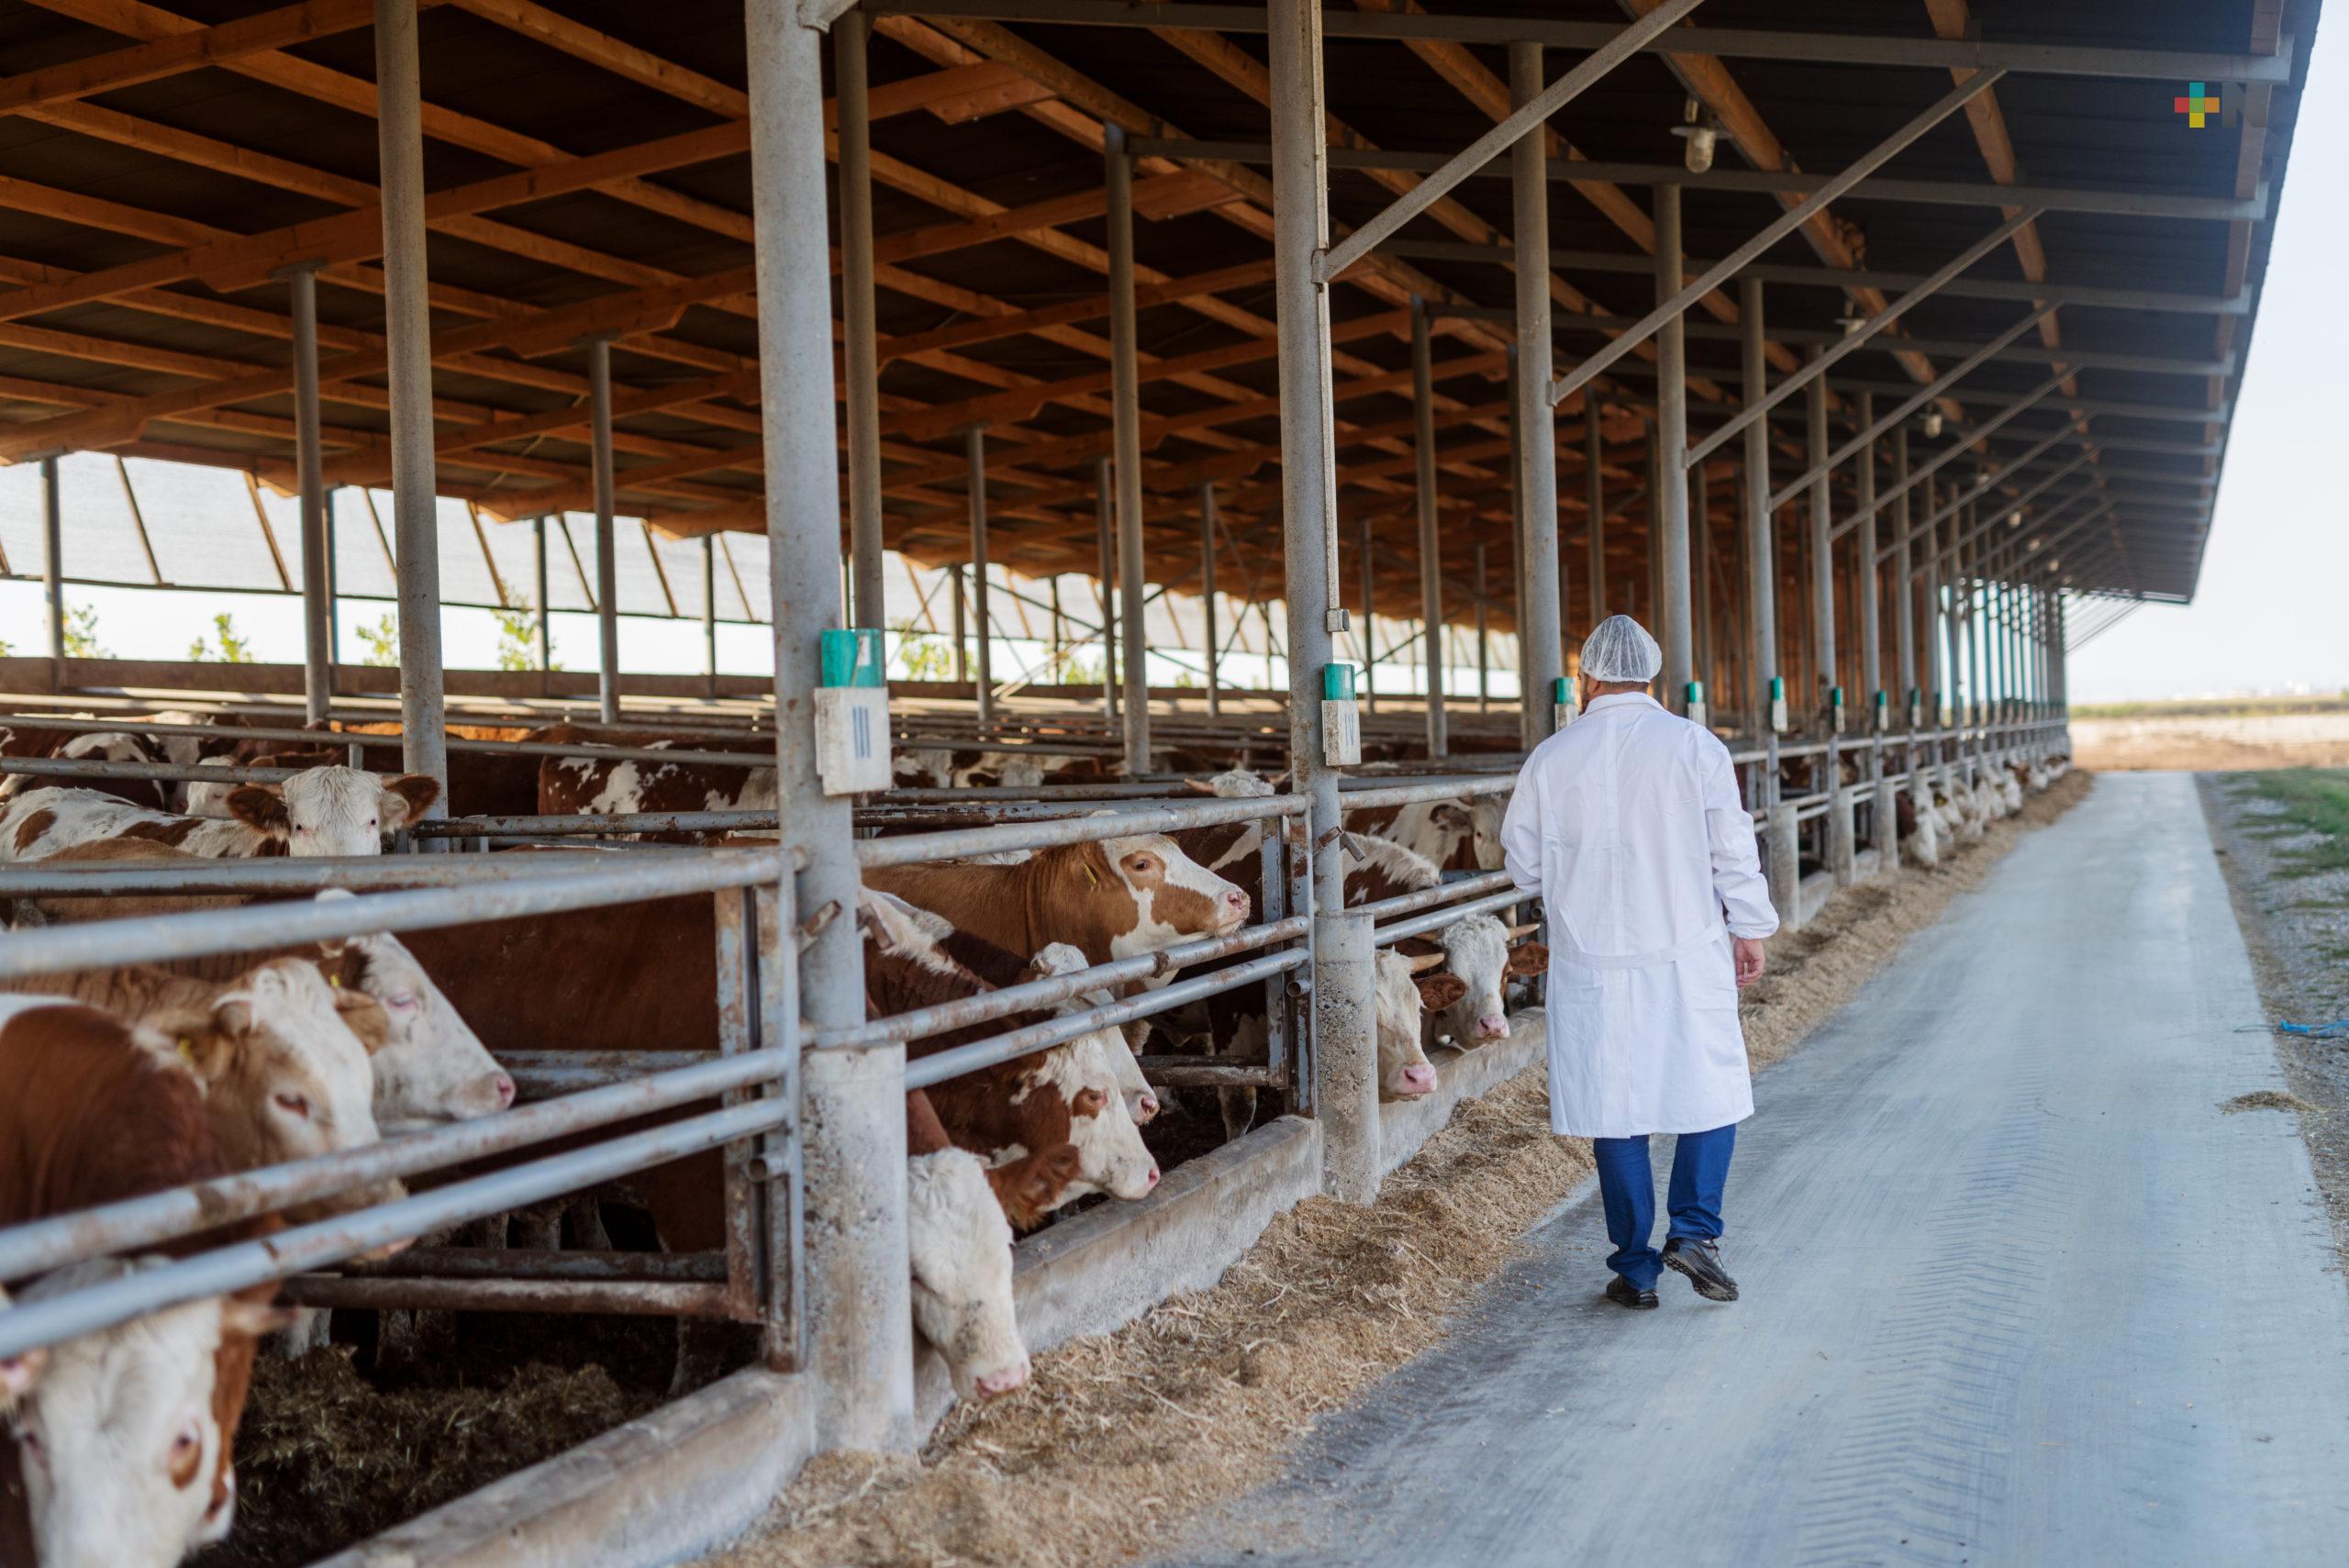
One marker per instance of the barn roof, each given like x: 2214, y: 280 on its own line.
x: 590, y: 174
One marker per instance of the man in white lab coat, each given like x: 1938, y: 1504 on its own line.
x: 1628, y: 824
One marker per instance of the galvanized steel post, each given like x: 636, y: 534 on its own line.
x: 1430, y: 540
x: 1594, y: 502
x: 408, y: 340
x: 1484, y: 638
x: 1345, y: 1053
x: 1207, y: 597
x: 1104, y: 508
x: 1540, y: 650
x: 1678, y: 631
x: 1125, y: 411
x: 858, y: 1293
x: 1369, y: 629
x: 607, y: 582
x: 52, y: 567
x: 710, y: 607
x: 974, y: 455
x: 858, y: 333
x: 318, y: 678
x: 1822, y: 556
x: 546, y: 611
x: 1760, y: 572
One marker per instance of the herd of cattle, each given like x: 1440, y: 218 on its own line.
x: 121, y: 1081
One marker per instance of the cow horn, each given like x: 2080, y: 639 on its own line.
x: 1426, y: 961
x: 1524, y: 931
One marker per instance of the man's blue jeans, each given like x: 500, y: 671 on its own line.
x: 1627, y: 1191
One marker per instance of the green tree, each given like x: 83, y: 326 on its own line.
x: 518, y: 638
x: 382, y: 640
x: 81, y: 634
x: 923, y: 655
x: 233, y: 649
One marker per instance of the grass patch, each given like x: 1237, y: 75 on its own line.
x: 2212, y: 707
x: 2312, y: 801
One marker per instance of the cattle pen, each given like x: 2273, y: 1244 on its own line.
x: 1876, y: 358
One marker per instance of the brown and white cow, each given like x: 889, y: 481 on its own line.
x: 97, y: 745
x: 958, y: 1241
x: 1454, y: 835
x: 321, y: 811
x: 284, y: 1076
x: 597, y: 787
x: 124, y: 1455
x: 941, y: 767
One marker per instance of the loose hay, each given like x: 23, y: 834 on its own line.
x: 324, y: 1457
x: 1117, y: 1438
x: 2266, y: 1100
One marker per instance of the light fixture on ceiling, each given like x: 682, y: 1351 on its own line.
x: 1702, y: 132
x: 1851, y: 321
x: 2014, y: 519
x: 1933, y: 424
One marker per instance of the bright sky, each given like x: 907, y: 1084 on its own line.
x: 2268, y: 614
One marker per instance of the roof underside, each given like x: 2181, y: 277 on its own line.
x: 147, y: 322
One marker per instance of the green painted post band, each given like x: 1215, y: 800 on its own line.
x: 1337, y: 682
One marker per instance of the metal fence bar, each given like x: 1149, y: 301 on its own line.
x: 103, y: 768
x: 654, y: 1298
x: 929, y: 1070
x: 1436, y: 919
x: 1429, y: 897
x: 29, y: 1326
x: 916, y: 849
x: 51, y: 879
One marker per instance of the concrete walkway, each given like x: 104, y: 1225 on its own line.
x: 2016, y: 1290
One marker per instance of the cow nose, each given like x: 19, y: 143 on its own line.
x: 1145, y: 1105
x: 1149, y: 1181
x: 1492, y: 1026
x: 501, y: 1089
x: 1238, y: 902
x: 1418, y: 1080
x: 996, y: 1383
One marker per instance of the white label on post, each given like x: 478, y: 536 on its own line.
x: 1341, y: 734
x: 1697, y: 714
x: 852, y: 739
x: 1778, y: 714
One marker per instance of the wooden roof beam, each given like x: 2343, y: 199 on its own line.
x: 186, y: 51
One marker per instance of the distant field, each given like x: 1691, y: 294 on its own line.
x: 2213, y: 737
x: 2214, y: 707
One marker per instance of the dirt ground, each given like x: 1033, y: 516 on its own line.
x: 1117, y: 1437
x: 2214, y: 743
x: 2288, y: 869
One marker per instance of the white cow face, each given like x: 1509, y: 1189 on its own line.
x: 1403, y: 1073
x: 427, y: 1064
x: 960, y: 1245
x: 334, y: 810
x: 286, y: 1076
x: 1175, y: 898
x: 1112, y: 1158
x: 1142, y: 1100
x: 122, y: 1441
x: 1477, y: 950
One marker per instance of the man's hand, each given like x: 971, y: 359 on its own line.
x: 1750, y: 959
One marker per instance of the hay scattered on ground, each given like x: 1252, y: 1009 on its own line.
x: 324, y: 1457
x: 1118, y: 1438
x: 2268, y: 1100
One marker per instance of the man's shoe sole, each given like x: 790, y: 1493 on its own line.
x: 1645, y: 1301
x: 1711, y: 1290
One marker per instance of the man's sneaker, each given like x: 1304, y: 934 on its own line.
x: 1701, y: 1262
x: 1623, y: 1292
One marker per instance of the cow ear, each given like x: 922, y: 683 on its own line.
x: 1029, y: 1188
x: 262, y: 806
x: 1452, y: 814
x: 1528, y: 958
x: 253, y: 1313
x: 1438, y: 992
x: 408, y: 798
x: 364, y: 1016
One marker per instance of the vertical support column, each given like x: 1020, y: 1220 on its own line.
x: 1784, y: 868
x: 1903, y: 571
x: 962, y: 625
x: 859, y: 334
x: 1700, y: 577
x: 1430, y: 540
x: 974, y: 452
x: 1540, y: 651
x: 1369, y: 620
x: 608, y: 578
x: 546, y: 611
x: 318, y: 678
x: 407, y: 338
x: 1125, y: 407
x: 1760, y: 571
x: 1822, y: 551
x: 1869, y: 609
x: 710, y: 607
x: 1104, y: 510
x: 1484, y: 638
x: 52, y: 565
x: 1594, y: 501
x: 1207, y: 597
x: 1345, y: 1053
x: 1672, y: 459
x: 857, y: 1297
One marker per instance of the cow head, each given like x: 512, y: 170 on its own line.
x: 1234, y: 784
x: 960, y: 1246
x: 1478, y: 952
x: 1403, y: 1073
x: 333, y: 810
x: 1172, y: 898
x: 1111, y: 1157
x: 428, y: 1065
x: 282, y: 1074
x: 1121, y: 1045
x: 1486, y: 813
x: 128, y: 1440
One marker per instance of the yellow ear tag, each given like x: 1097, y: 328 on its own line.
x: 1090, y: 880
x: 335, y: 981
x: 187, y: 1048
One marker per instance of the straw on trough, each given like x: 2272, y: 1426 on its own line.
x: 1119, y: 1438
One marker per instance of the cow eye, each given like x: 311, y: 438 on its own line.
x: 293, y: 1104
x: 370, y: 822
x: 32, y: 1444
x: 403, y: 1001
x: 191, y: 1439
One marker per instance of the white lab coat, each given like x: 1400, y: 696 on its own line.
x: 1628, y: 824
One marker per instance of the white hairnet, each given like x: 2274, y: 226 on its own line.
x: 1620, y: 649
